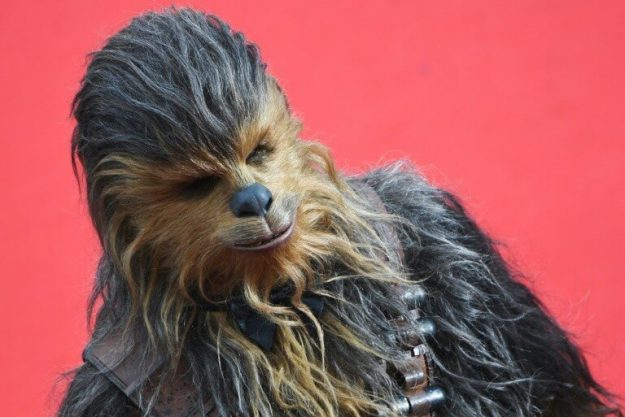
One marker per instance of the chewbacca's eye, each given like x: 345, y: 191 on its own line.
x: 258, y: 155
x: 198, y: 187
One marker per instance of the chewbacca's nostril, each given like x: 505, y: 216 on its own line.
x: 253, y: 200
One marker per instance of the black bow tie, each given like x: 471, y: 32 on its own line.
x: 256, y: 326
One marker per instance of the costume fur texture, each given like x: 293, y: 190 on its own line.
x: 175, y: 113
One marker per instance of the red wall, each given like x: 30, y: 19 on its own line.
x: 516, y: 106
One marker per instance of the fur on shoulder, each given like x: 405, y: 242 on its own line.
x: 498, y: 352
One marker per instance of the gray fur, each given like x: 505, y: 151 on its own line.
x: 497, y: 351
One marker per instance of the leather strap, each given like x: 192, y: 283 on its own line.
x: 177, y: 399
x: 385, y: 230
x: 129, y: 372
x: 413, y: 372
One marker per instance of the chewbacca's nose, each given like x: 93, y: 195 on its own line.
x: 253, y: 200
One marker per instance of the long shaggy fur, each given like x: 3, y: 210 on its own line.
x: 497, y: 351
x: 177, y: 96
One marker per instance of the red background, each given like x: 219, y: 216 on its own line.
x: 516, y: 106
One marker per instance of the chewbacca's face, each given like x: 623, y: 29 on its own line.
x: 192, y: 158
x: 216, y: 219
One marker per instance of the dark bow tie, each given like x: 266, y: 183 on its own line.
x: 256, y: 326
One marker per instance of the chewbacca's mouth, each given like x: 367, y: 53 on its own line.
x: 268, y: 242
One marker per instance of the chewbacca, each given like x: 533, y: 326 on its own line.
x: 242, y: 275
